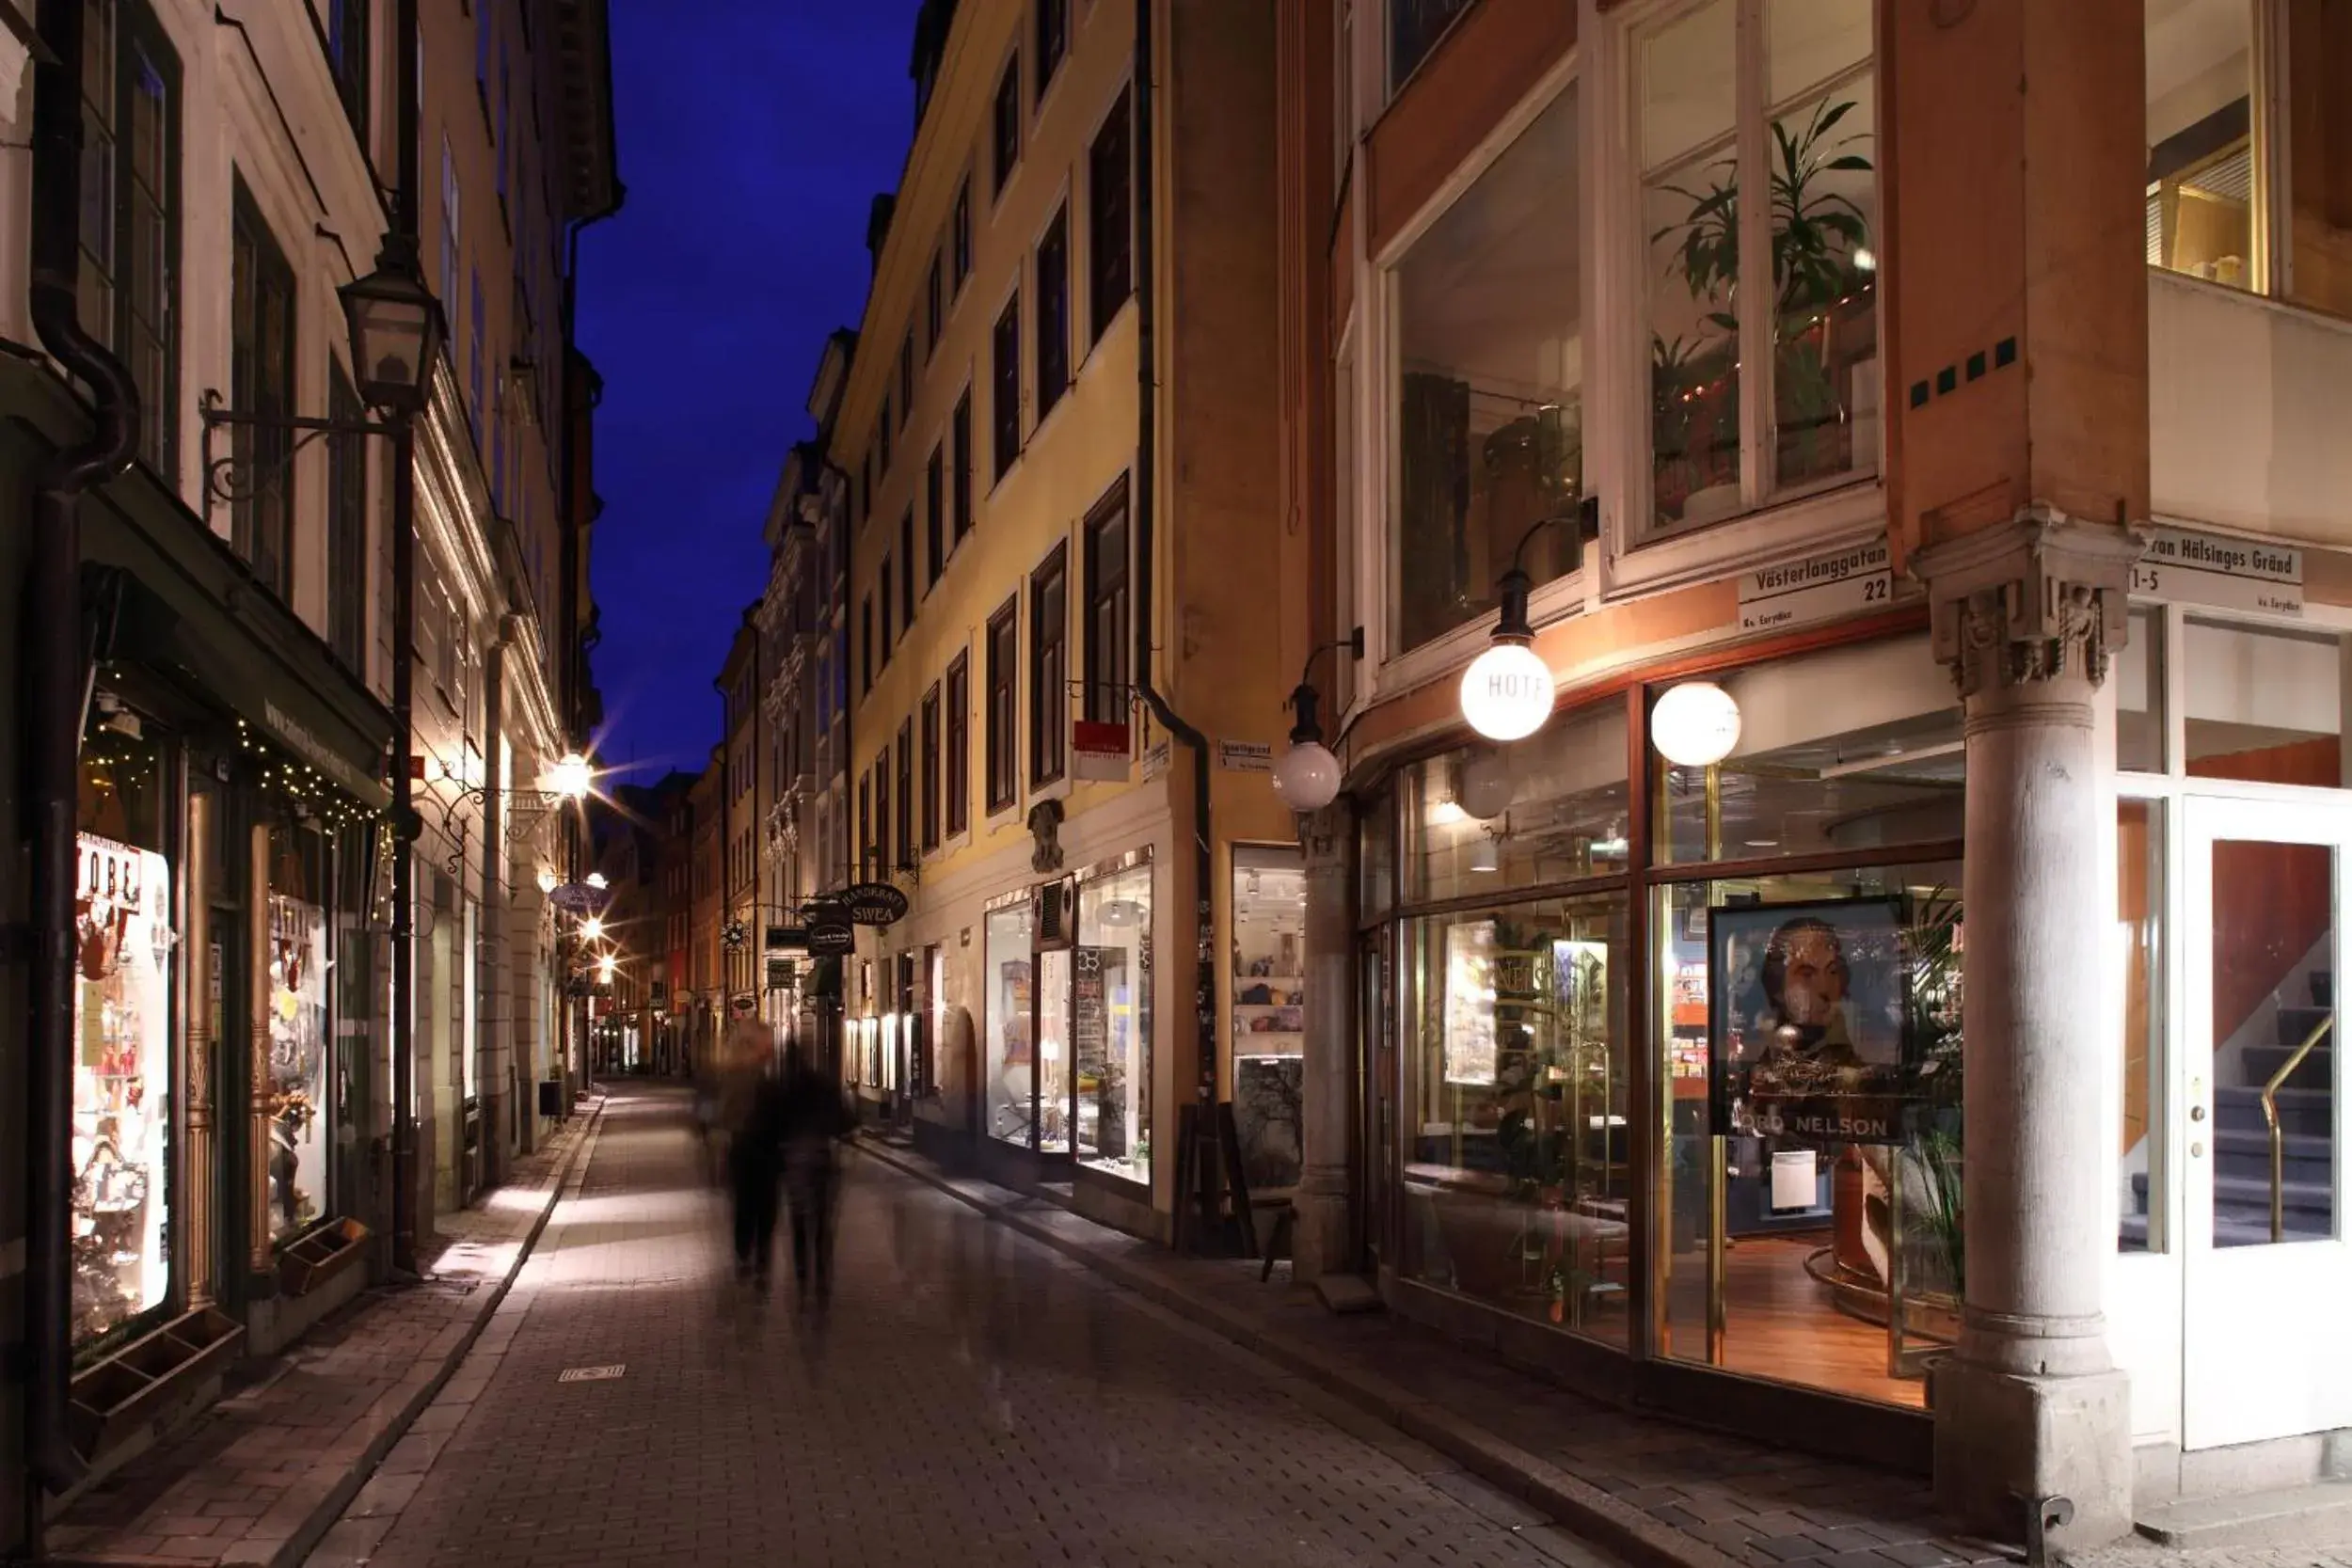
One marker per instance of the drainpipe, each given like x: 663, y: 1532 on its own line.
x: 56, y: 660
x: 1147, y: 467
x: 406, y: 132
x: 57, y: 705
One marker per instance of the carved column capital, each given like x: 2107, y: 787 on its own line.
x: 2038, y: 597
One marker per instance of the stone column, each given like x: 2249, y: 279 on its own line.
x: 1323, y: 1245
x: 2032, y: 1406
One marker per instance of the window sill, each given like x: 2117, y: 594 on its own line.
x: 1055, y: 788
x: 1000, y: 816
x: 1848, y: 513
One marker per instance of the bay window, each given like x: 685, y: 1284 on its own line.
x: 1756, y: 130
x: 1488, y: 427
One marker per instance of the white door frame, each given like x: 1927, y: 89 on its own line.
x: 2263, y: 1354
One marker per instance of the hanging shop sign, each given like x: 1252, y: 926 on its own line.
x: 1818, y: 588
x: 732, y: 934
x: 786, y: 938
x: 783, y: 974
x: 873, y: 904
x: 2213, y: 569
x: 831, y: 940
x: 576, y: 898
x: 1098, y: 750
x: 745, y: 1002
x: 1155, y: 760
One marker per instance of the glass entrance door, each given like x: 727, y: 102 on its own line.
x: 2268, y: 1269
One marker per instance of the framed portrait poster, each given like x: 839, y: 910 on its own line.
x: 1808, y: 1012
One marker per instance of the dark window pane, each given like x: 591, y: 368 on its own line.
x: 1008, y: 122
x: 889, y: 607
x: 906, y: 565
x: 934, y: 525
x: 1049, y: 668
x: 958, y: 726
x: 1004, y: 717
x: 1053, y: 314
x: 962, y: 443
x: 261, y: 320
x: 1004, y: 396
x: 346, y: 530
x: 930, y: 768
x: 962, y: 236
x: 1107, y: 635
x: 1414, y: 28
x: 1053, y: 41
x: 1109, y: 215
x: 906, y: 791
x: 905, y: 378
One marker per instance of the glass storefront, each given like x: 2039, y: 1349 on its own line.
x: 1269, y: 983
x: 293, y: 1100
x: 1785, y: 1118
x: 122, y: 1033
x: 1008, y: 1108
x: 1111, y: 1023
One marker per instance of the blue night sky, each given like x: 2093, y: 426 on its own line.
x: 753, y: 134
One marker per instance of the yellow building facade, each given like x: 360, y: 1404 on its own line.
x: 1015, y: 511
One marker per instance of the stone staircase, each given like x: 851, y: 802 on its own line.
x: 2241, y: 1140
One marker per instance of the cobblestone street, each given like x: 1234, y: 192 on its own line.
x: 975, y: 1397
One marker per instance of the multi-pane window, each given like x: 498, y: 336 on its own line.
x: 889, y: 608
x: 1053, y: 313
x: 1052, y: 42
x: 1110, y: 209
x: 905, y: 378
x: 935, y: 307
x: 1004, y: 712
x: 130, y: 222
x: 1008, y: 122
x: 262, y: 371
x: 865, y: 821
x: 934, y: 525
x: 865, y: 644
x: 1005, y: 387
x: 906, y: 792
x: 906, y: 568
x: 1107, y: 635
x: 958, y: 726
x: 930, y: 767
x: 347, y: 56
x: 1049, y: 666
x: 1795, y: 106
x: 881, y: 811
x: 960, y: 440
x: 346, y: 529
x: 960, y: 238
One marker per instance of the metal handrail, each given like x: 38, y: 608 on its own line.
x: 2278, y: 1139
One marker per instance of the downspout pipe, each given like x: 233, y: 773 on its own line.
x: 407, y: 130
x: 1147, y: 471
x: 54, y: 659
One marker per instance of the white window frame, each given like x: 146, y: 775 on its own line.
x: 1771, y: 524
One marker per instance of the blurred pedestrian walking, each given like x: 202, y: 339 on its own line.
x: 752, y: 1109
x: 814, y: 1121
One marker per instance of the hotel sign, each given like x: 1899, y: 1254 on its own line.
x: 1819, y: 588
x: 2213, y: 569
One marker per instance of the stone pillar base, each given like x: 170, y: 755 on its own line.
x: 2005, y: 1439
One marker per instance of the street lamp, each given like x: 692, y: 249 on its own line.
x: 1695, y: 725
x: 396, y: 330
x: 1506, y: 691
x: 596, y: 879
x: 592, y: 929
x: 1306, y: 776
x: 570, y: 777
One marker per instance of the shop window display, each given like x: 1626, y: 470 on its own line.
x: 1270, y: 1011
x: 1517, y: 1173
x: 1482, y: 820
x: 1811, y: 1054
x: 1111, y: 981
x: 122, y: 1082
x: 1009, y: 1112
x: 294, y: 1097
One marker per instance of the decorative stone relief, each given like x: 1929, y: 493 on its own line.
x: 2038, y: 598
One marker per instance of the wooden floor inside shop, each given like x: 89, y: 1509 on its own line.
x: 1780, y: 1323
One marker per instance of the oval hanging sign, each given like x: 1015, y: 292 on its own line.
x: 831, y: 940
x: 873, y: 903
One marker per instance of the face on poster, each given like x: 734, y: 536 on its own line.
x: 1809, y: 1005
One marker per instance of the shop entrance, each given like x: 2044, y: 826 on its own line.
x: 2266, y: 1269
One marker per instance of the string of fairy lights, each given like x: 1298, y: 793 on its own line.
x: 291, y: 779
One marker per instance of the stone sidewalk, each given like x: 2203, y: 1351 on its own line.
x: 260, y: 1476
x: 1652, y: 1490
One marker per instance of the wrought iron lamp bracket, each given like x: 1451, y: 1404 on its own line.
x: 234, y: 479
